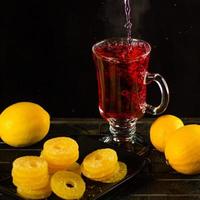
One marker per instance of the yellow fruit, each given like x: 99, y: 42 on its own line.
x: 117, y: 176
x: 30, y: 172
x: 33, y: 183
x: 54, y: 165
x: 162, y: 129
x: 182, y: 150
x: 29, y: 166
x: 75, y: 167
x: 67, y: 185
x: 60, y: 153
x: 115, y: 171
x: 99, y: 174
x: 100, y: 163
x: 23, y: 124
x: 28, y: 193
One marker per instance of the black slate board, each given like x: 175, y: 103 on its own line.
x: 94, y: 190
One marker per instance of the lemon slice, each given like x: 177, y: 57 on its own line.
x: 33, y: 183
x: 117, y: 176
x: 29, y: 166
x: 61, y: 150
x: 67, y: 185
x: 99, y: 163
x: 28, y: 193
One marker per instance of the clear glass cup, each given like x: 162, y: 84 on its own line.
x: 122, y: 76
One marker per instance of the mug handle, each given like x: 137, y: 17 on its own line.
x: 155, y: 77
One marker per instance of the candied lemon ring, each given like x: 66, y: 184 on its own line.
x: 30, y: 166
x: 75, y: 167
x: 99, y: 175
x: 52, y: 162
x: 28, y: 193
x: 63, y: 150
x: 67, y: 185
x: 118, y: 176
x: 22, y: 177
x: 109, y: 175
x: 59, y: 159
x: 33, y: 183
x: 100, y: 163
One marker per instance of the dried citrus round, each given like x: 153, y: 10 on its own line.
x: 61, y: 151
x: 33, y: 183
x: 29, y: 167
x: 99, y: 163
x: 109, y: 175
x: 67, y: 185
x: 54, y: 166
x: 52, y: 159
x: 99, y: 175
x: 117, y: 176
x: 75, y: 167
x: 28, y: 193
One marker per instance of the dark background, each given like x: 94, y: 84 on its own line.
x: 45, y: 51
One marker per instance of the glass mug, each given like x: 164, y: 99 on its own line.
x: 122, y: 76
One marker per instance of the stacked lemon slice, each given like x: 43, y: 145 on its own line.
x: 30, y: 176
x: 61, y: 153
x: 58, y: 159
x: 103, y: 165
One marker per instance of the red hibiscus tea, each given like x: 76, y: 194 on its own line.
x: 122, y: 76
x: 121, y: 70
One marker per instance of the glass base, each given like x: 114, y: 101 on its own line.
x: 138, y: 144
x: 123, y: 133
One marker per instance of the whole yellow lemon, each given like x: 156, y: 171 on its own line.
x: 182, y: 150
x: 162, y: 128
x: 23, y: 124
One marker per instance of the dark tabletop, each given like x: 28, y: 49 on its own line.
x: 156, y: 181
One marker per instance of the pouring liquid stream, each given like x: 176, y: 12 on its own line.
x: 128, y: 24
